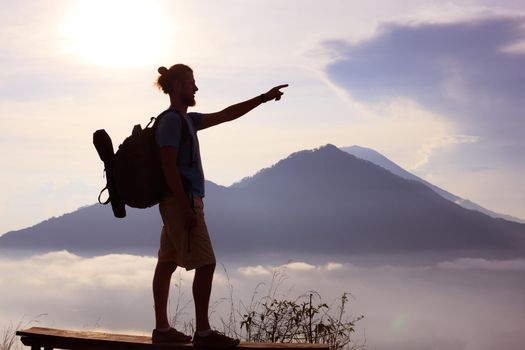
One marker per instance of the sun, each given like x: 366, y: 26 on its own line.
x: 117, y: 32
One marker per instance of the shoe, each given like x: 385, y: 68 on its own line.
x: 171, y: 336
x: 215, y: 340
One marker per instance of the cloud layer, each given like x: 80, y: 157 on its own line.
x: 405, y: 307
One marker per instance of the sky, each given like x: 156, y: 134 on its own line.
x: 437, y: 87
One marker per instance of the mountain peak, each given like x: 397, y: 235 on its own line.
x: 327, y: 151
x: 382, y: 161
x: 328, y: 146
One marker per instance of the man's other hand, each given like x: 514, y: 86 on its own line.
x: 190, y: 219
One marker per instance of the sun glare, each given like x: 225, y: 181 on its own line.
x: 118, y: 33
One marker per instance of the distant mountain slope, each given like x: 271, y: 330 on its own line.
x: 378, y: 159
x: 323, y: 201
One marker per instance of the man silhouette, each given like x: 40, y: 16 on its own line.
x: 184, y: 239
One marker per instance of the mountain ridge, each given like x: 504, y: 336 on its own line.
x: 322, y: 201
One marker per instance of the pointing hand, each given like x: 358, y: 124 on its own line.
x: 275, y: 93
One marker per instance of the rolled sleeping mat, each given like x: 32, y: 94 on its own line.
x: 104, y: 147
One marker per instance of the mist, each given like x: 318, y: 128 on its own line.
x: 459, y: 304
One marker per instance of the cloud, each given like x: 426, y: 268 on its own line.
x: 435, y: 143
x: 464, y: 71
x: 298, y: 266
x: 82, y: 292
x: 405, y: 307
x: 331, y: 266
x: 484, y: 264
x: 255, y: 270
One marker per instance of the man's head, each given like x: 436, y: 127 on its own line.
x: 178, y: 82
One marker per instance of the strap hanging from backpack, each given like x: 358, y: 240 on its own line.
x: 100, y: 195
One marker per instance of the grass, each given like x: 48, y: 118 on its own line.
x: 8, y: 338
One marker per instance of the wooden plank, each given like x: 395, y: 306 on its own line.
x: 38, y: 337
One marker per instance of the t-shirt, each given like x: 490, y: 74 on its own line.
x: 168, y: 134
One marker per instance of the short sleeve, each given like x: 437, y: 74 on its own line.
x: 168, y: 131
x: 196, y: 119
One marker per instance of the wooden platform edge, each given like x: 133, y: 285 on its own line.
x: 53, y: 338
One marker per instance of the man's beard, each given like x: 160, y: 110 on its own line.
x: 189, y: 100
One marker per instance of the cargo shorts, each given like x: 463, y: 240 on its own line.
x: 187, y: 248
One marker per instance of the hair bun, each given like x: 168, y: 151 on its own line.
x: 162, y: 70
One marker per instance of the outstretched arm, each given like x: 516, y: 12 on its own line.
x: 238, y: 110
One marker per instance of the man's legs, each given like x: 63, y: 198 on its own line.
x: 204, y: 336
x: 202, y: 283
x: 161, y: 288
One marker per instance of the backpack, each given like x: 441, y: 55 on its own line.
x: 134, y: 175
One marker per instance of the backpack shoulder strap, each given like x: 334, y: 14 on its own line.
x: 185, y: 131
x: 156, y: 120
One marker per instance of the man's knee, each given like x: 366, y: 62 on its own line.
x: 210, y: 268
x: 166, y: 266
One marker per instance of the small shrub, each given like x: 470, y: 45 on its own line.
x: 304, y: 320
x: 277, y: 318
